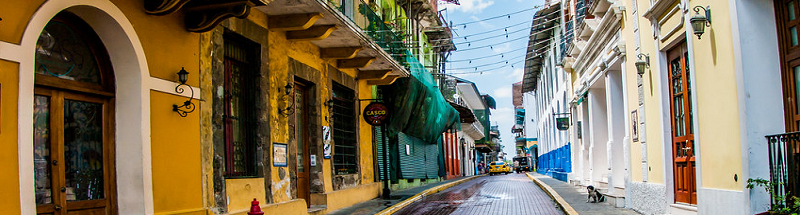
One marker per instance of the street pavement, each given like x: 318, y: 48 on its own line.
x: 376, y: 205
x: 500, y: 194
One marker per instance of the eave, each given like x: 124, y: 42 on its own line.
x: 346, y: 42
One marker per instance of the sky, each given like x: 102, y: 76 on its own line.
x: 481, y: 57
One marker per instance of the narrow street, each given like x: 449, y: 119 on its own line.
x: 500, y: 194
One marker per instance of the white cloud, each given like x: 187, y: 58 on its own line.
x: 504, y: 48
x: 482, y: 23
x: 516, y: 75
x: 470, y: 6
x: 504, y: 117
x: 502, y: 92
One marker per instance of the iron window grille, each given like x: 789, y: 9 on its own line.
x: 241, y: 60
x: 345, y: 157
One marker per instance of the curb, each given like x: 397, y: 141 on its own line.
x: 552, y: 193
x: 396, y: 207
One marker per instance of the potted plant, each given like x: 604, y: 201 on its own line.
x: 782, y: 204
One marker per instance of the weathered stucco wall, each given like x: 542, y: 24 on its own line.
x: 9, y: 163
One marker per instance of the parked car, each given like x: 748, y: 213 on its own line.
x: 498, y: 167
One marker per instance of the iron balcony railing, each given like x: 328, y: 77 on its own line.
x: 376, y: 28
x: 784, y: 164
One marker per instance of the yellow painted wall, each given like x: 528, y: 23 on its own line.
x: 16, y: 18
x: 339, y: 199
x: 280, y: 50
x: 366, y: 137
x: 242, y: 191
x: 9, y: 163
x: 288, y: 207
x: 652, y: 99
x: 719, y: 130
x: 166, y: 43
x: 175, y: 156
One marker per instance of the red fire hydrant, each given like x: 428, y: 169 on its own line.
x: 255, y: 209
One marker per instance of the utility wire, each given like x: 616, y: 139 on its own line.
x: 500, y: 16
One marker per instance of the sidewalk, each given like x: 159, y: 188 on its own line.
x: 378, y: 204
x: 575, y: 197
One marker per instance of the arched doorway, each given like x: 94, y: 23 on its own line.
x: 73, y: 120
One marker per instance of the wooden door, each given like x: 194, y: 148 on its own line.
x: 73, y: 154
x: 787, y: 12
x: 786, y: 16
x: 683, y: 149
x: 302, y: 139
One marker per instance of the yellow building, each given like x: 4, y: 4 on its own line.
x: 96, y: 117
x: 705, y: 100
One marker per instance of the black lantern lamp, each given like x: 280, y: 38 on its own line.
x: 700, y: 21
x: 187, y: 106
x: 287, y: 96
x: 642, y: 63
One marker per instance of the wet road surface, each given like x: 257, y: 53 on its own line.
x: 499, y: 194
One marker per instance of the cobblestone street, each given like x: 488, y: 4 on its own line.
x: 501, y: 194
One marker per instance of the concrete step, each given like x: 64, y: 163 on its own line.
x: 615, y: 199
x: 317, y: 209
x: 682, y: 209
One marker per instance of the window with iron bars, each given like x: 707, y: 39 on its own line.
x: 241, y: 60
x: 345, y: 157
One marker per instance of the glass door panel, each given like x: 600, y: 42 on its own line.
x: 83, y: 150
x: 41, y: 150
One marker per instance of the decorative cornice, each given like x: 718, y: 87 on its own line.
x: 201, y: 16
x: 609, y: 26
x: 657, y: 9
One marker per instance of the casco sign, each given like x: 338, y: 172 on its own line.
x: 376, y: 113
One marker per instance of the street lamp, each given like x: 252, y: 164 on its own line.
x: 642, y: 64
x: 700, y: 21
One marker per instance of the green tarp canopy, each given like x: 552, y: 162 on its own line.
x: 418, y: 107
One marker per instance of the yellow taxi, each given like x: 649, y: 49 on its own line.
x: 498, y: 167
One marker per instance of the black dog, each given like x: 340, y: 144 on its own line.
x: 594, y: 195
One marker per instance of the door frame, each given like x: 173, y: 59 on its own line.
x: 304, y: 90
x: 681, y: 51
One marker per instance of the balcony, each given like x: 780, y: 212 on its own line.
x: 378, y: 30
x: 345, y: 30
x: 784, y: 163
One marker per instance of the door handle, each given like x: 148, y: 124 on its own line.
x: 57, y: 207
x: 63, y: 189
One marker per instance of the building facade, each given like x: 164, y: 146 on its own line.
x: 675, y: 104
x: 194, y: 107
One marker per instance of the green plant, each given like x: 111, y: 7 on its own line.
x: 781, y: 205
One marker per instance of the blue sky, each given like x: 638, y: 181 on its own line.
x: 492, y: 75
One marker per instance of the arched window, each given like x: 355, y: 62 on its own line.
x: 73, y: 120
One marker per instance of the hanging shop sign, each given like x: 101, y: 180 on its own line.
x: 562, y: 123
x: 376, y: 113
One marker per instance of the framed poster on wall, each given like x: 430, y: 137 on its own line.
x: 279, y: 154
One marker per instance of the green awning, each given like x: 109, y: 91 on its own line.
x: 418, y: 107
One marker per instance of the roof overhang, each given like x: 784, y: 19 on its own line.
x: 542, y: 31
x: 337, y: 36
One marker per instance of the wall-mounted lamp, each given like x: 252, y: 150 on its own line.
x: 187, y: 106
x: 287, y: 96
x: 642, y: 64
x: 700, y: 21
